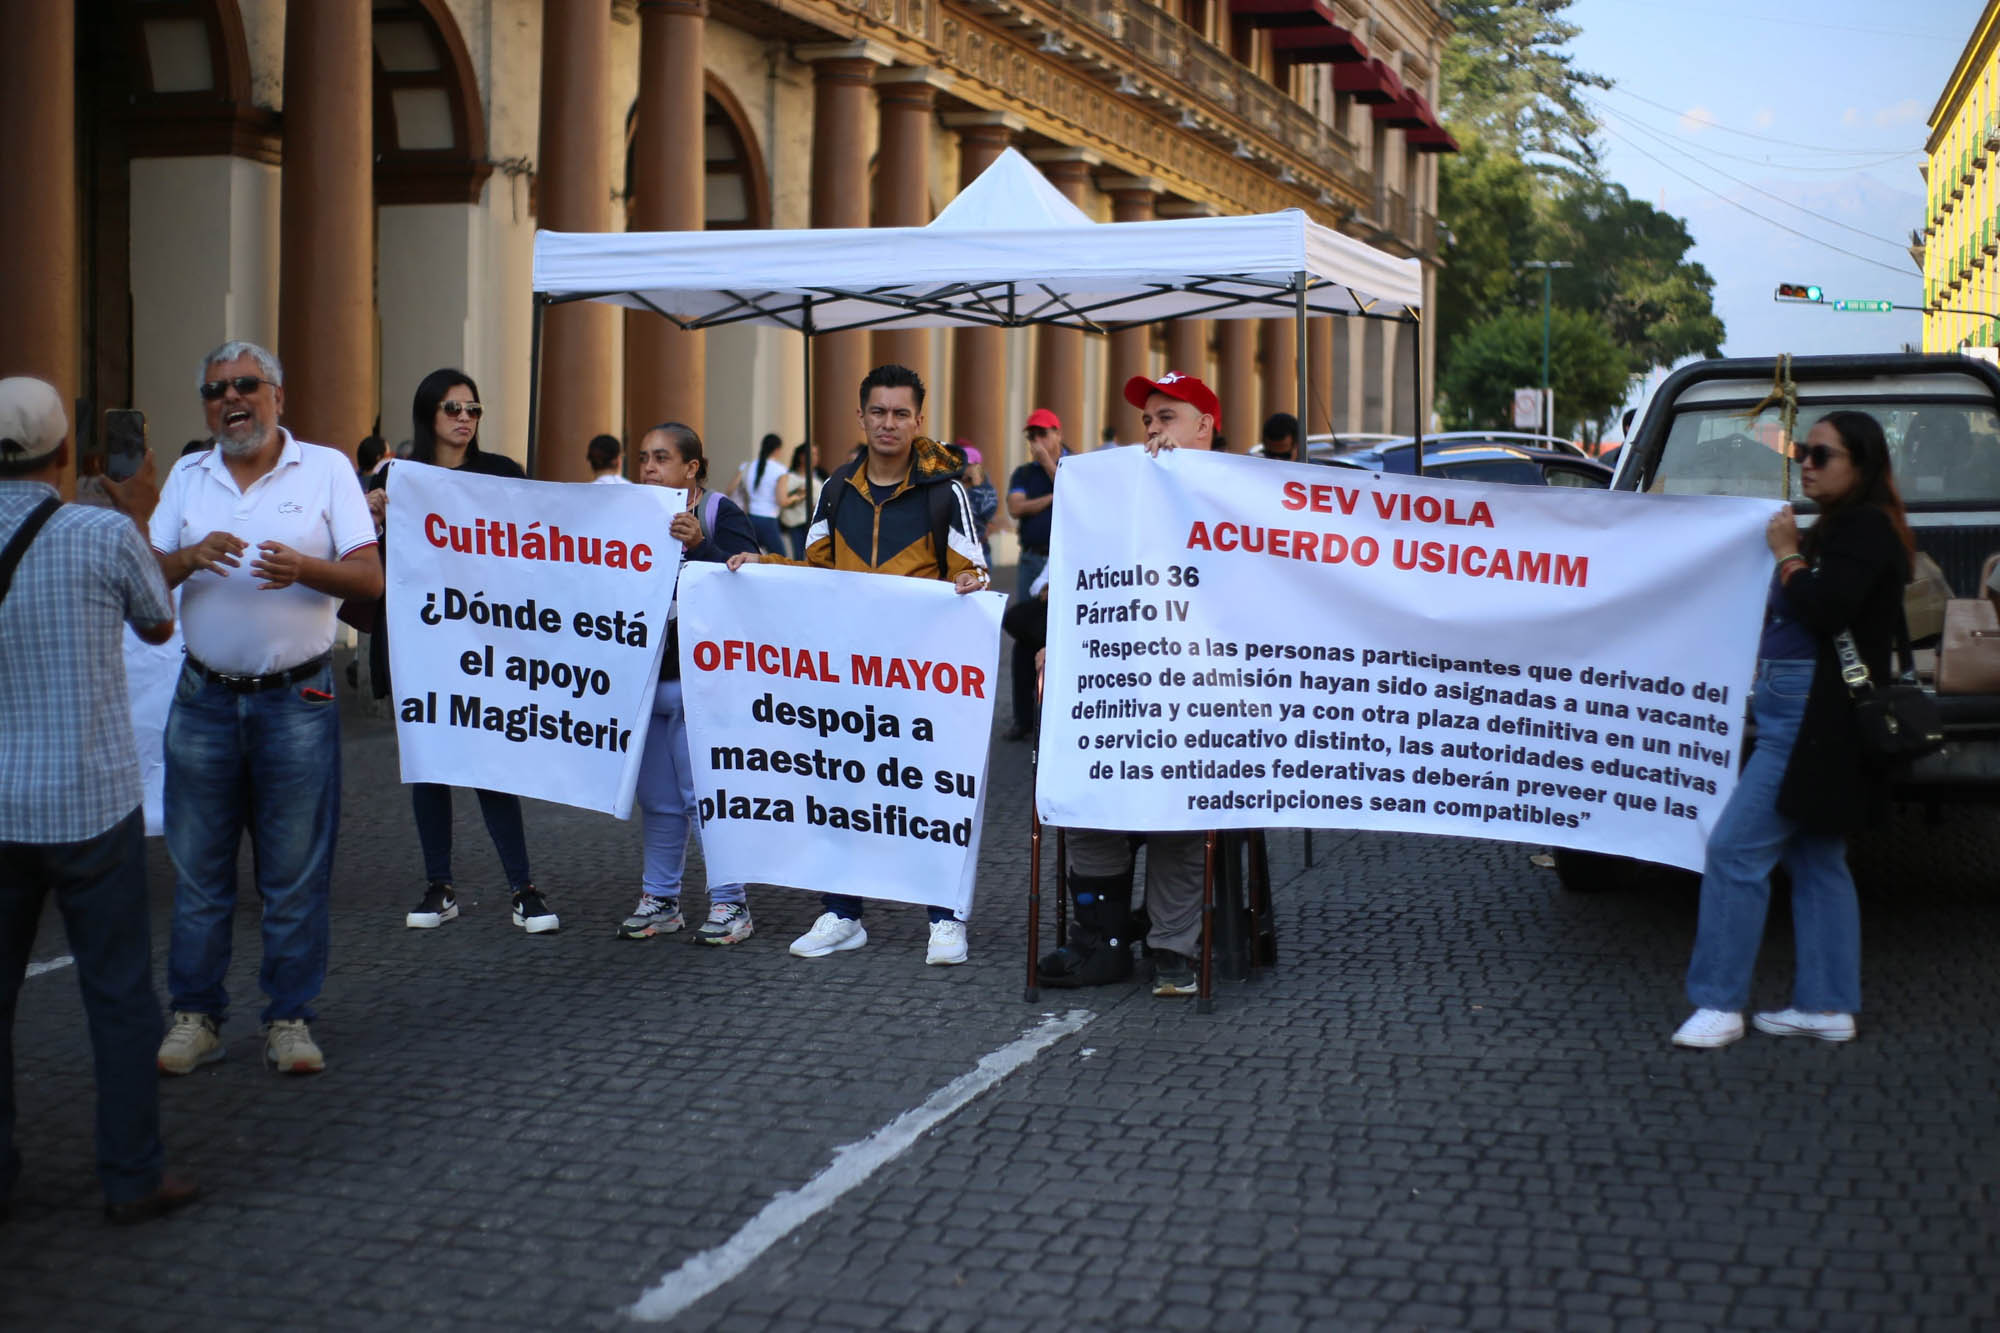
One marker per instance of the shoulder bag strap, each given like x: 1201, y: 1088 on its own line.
x: 17, y: 546
x: 711, y: 505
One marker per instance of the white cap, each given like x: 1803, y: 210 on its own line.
x: 32, y: 421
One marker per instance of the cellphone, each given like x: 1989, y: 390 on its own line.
x: 124, y: 442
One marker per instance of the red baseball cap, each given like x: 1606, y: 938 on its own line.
x: 1043, y: 419
x: 1175, y: 385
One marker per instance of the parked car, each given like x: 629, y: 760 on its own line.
x: 1320, y: 448
x: 1553, y: 443
x: 1469, y: 460
x: 1942, y: 418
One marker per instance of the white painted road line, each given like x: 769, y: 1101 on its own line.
x: 49, y: 965
x: 852, y: 1164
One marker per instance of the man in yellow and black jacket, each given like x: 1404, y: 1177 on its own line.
x: 897, y: 509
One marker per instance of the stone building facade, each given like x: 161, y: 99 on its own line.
x: 358, y: 186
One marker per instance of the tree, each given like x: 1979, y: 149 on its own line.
x: 1489, y: 198
x: 1632, y: 270
x: 1507, y: 75
x: 1493, y: 358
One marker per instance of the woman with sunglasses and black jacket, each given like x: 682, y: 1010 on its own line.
x: 444, y: 420
x: 1806, y: 783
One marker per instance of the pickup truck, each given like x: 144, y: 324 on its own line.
x: 1942, y: 418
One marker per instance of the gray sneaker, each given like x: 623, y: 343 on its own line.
x: 653, y: 916
x: 192, y: 1041
x: 728, y: 923
x: 289, y: 1047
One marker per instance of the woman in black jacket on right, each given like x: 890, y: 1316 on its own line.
x: 1806, y: 783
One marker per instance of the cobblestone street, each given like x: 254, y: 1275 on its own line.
x: 1453, y: 1104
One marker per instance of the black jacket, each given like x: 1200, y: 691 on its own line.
x: 1855, y: 582
x: 733, y: 535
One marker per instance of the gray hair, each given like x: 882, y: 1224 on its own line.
x: 235, y: 348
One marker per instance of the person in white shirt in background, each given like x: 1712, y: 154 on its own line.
x: 607, y: 461
x: 766, y: 483
x: 266, y: 535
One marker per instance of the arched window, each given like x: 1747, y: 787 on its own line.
x: 189, y: 77
x: 736, y: 193
x: 430, y: 132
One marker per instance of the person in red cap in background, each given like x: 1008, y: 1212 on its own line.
x: 1180, y: 412
x: 1031, y: 498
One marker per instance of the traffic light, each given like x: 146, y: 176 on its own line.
x: 1798, y: 291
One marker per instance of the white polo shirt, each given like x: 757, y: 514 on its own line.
x: 311, y: 501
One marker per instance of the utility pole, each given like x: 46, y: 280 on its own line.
x: 1548, y: 401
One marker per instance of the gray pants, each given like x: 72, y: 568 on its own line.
x: 1173, y: 879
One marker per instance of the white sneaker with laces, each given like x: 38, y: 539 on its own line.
x: 830, y: 934
x: 1804, y: 1023
x: 947, y: 944
x: 1709, y: 1028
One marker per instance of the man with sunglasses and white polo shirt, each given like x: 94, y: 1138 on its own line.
x: 265, y: 536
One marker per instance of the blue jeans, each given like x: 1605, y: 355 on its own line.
x: 666, y: 799
x: 841, y: 905
x: 770, y: 536
x: 269, y: 763
x: 100, y: 889
x: 1749, y: 841
x: 432, y: 803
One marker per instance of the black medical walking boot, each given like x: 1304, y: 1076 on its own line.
x: 1099, y: 952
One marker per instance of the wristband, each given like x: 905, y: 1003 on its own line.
x: 1786, y: 560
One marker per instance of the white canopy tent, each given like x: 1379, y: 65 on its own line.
x: 1009, y: 251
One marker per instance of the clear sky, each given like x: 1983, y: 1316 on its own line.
x: 1816, y: 106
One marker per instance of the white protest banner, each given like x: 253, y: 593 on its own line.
x: 838, y: 726
x: 526, y: 621
x: 1283, y: 645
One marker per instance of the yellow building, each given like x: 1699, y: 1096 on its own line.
x: 1962, y: 222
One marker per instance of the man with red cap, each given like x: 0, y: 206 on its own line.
x: 1180, y: 412
x: 1031, y: 498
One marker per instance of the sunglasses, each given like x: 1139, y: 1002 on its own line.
x: 453, y: 408
x: 243, y: 384
x: 1816, y: 455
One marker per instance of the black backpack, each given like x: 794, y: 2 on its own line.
x: 939, y: 495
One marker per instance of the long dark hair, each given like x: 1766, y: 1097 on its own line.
x: 768, y: 446
x: 1868, y: 448
x: 424, y: 410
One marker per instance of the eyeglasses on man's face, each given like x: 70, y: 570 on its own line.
x: 243, y: 384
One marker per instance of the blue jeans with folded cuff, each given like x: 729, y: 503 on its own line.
x: 666, y: 799
x: 100, y: 888
x: 431, y: 801
x: 849, y: 908
x: 267, y: 763
x: 1748, y: 842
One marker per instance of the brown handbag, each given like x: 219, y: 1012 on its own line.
x: 1968, y: 657
x: 1924, y: 598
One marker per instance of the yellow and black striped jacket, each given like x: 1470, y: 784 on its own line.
x: 901, y: 535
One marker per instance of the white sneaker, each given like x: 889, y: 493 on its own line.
x: 830, y: 934
x: 1803, y: 1023
x: 947, y: 944
x: 1709, y: 1028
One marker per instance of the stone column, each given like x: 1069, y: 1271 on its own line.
x: 1130, y: 351
x: 579, y: 339
x: 1319, y: 375
x: 1280, y: 355
x: 326, y: 227
x: 40, y: 282
x: 1188, y: 339
x: 1059, y: 352
x: 665, y: 366
x: 906, y: 104
x: 841, y: 73
x: 1242, y: 404
x: 979, y: 356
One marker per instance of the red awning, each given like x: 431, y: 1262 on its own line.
x: 1405, y: 111
x: 1369, y: 81
x: 1312, y: 43
x: 1431, y: 141
x: 1283, y: 13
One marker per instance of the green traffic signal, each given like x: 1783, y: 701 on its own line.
x: 1798, y: 291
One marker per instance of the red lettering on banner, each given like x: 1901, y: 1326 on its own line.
x: 509, y: 541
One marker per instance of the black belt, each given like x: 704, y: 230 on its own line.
x: 276, y: 680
